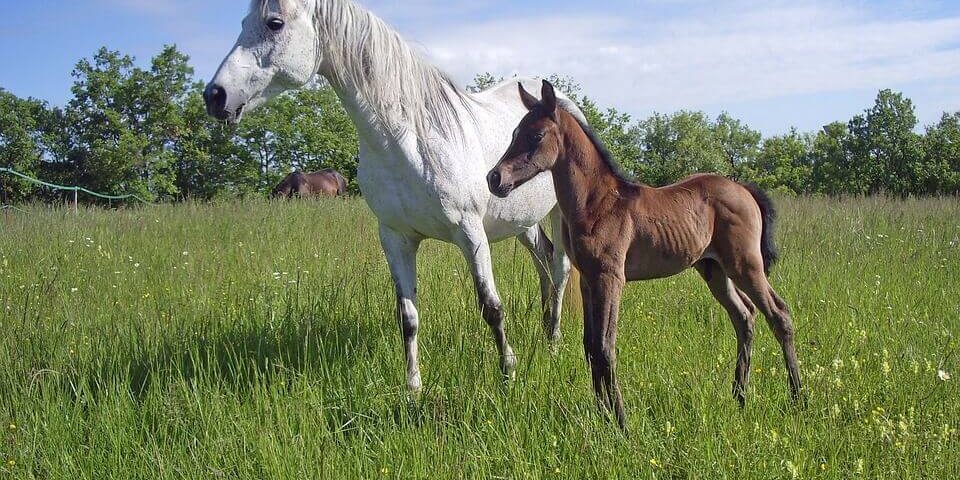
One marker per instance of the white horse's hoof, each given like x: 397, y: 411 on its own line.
x: 414, y: 386
x: 508, y: 365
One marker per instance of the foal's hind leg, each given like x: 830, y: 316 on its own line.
x: 542, y: 251
x: 754, y: 283
x: 742, y: 314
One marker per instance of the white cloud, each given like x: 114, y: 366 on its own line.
x: 660, y: 55
x: 747, y: 54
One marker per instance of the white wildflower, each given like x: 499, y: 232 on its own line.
x: 943, y: 375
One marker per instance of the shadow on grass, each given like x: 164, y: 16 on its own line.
x: 238, y: 358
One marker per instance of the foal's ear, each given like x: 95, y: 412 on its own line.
x: 528, y: 100
x: 549, y: 98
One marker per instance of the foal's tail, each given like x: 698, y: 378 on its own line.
x: 769, y: 214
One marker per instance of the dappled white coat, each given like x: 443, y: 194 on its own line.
x: 426, y: 146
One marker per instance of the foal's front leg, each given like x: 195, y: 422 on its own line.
x: 476, y: 250
x: 606, y: 289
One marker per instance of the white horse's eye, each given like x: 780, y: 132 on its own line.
x: 275, y: 24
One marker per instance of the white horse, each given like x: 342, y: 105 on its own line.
x: 425, y: 147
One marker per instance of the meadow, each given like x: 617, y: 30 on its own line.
x: 257, y: 340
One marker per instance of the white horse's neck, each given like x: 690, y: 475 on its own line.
x: 388, y: 88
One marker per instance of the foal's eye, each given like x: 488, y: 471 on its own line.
x: 275, y: 24
x: 537, y: 137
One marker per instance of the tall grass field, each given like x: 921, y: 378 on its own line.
x: 258, y: 340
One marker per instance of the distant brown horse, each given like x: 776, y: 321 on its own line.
x: 618, y: 231
x: 327, y: 182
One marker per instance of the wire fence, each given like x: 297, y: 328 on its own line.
x: 75, y: 190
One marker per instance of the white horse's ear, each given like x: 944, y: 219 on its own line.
x: 528, y: 100
x: 549, y: 98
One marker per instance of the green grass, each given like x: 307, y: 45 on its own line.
x: 257, y: 340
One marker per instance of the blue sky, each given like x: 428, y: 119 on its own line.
x: 774, y: 64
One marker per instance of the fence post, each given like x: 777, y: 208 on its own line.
x: 76, y: 205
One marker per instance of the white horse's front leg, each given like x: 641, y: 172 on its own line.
x: 476, y: 249
x: 401, y: 252
x: 542, y: 251
x: 559, y: 272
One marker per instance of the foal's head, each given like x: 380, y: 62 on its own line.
x: 536, y: 144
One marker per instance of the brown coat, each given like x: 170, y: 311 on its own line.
x: 327, y: 182
x: 617, y: 231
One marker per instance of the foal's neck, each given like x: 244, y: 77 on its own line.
x: 584, y: 181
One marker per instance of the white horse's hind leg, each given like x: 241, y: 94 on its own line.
x: 542, y: 251
x: 476, y: 249
x: 559, y: 272
x: 401, y: 252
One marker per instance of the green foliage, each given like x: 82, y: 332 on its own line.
x: 675, y: 146
x: 145, y: 131
x: 886, y: 151
x: 19, y: 144
x: 308, y: 130
x: 483, y: 81
x: 613, y: 127
x: 783, y: 162
x: 942, y: 154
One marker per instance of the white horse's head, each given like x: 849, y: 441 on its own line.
x: 278, y: 50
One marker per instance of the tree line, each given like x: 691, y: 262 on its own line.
x: 130, y: 129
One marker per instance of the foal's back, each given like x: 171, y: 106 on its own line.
x: 703, y: 216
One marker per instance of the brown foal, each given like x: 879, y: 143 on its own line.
x: 618, y: 231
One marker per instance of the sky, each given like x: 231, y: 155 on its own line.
x: 773, y: 64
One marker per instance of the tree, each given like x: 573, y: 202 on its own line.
x: 942, y: 156
x: 887, y: 153
x: 305, y: 130
x: 614, y: 128
x: 739, y: 142
x: 833, y: 169
x: 483, y: 81
x: 678, y: 145
x: 20, y: 143
x: 122, y: 120
x: 783, y: 162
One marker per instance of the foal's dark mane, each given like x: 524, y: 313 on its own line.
x: 605, y: 154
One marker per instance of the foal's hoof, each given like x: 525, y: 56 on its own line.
x: 801, y: 401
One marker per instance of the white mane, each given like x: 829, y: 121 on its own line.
x: 393, y: 81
